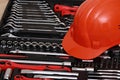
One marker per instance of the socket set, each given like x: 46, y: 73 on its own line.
x: 31, y: 34
x: 50, y: 50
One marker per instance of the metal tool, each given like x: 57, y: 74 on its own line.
x: 34, y: 23
x: 33, y: 10
x: 16, y: 18
x: 39, y: 53
x: 104, y: 73
x: 105, y: 77
x: 24, y: 7
x: 38, y: 8
x: 40, y: 62
x: 20, y: 7
x: 50, y: 74
x: 20, y: 77
x: 36, y: 17
x: 13, y: 28
x: 35, y: 14
x: 11, y: 56
x: 26, y: 71
x: 116, y: 71
x: 32, y: 20
x: 34, y: 4
x: 21, y: 1
x: 20, y: 15
x: 83, y: 69
x: 29, y: 16
x: 8, y: 64
x: 56, y: 77
x: 8, y: 74
x: 17, y: 27
x: 26, y: 3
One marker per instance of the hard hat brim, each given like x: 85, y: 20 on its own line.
x: 81, y: 52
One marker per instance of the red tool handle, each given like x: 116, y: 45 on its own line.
x: 61, y: 68
x: 8, y: 64
x: 12, y: 56
x: 59, y: 8
x: 65, y: 13
x: 20, y: 77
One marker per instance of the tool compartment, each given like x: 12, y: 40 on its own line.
x: 31, y: 33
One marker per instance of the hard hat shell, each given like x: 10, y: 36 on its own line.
x: 96, y: 28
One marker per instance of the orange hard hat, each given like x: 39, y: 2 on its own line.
x: 95, y: 29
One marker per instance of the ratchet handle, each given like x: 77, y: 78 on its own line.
x: 8, y: 64
x: 65, y: 13
x: 58, y: 68
x: 20, y: 77
x: 59, y: 8
x: 11, y: 56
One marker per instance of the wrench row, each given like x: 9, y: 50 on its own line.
x: 31, y: 9
x: 33, y: 16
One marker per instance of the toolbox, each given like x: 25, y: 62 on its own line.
x: 31, y: 33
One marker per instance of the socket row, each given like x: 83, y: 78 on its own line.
x: 32, y: 46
